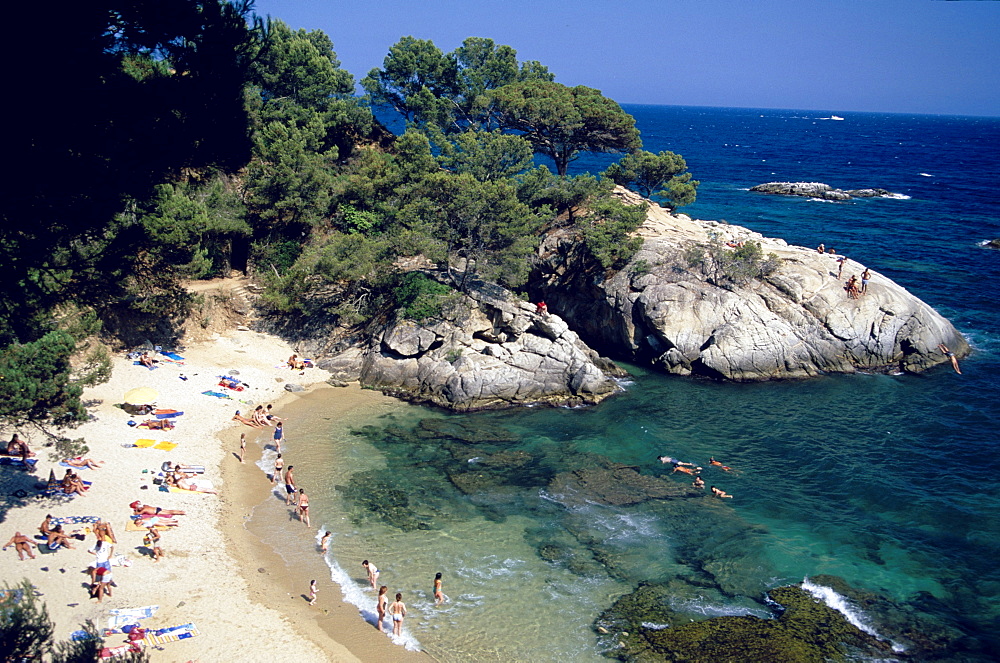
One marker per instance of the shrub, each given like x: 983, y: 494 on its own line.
x: 420, y: 297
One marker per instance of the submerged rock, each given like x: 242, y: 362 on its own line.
x: 614, y: 485
x: 674, y: 307
x: 805, y: 630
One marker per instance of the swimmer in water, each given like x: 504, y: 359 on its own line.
x: 720, y: 493
x: 674, y: 461
x: 951, y: 355
x: 698, y: 482
x: 712, y: 461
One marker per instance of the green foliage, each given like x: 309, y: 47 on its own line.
x: 448, y: 92
x: 299, y: 65
x: 541, y: 189
x: 607, y: 231
x: 419, y: 297
x: 694, y: 255
x: 487, y: 156
x: 64, y: 447
x: 35, y: 381
x: 358, y: 221
x: 278, y: 255
x: 453, y: 355
x: 417, y: 79
x: 561, y: 121
x: 641, y: 268
x: 25, y: 628
x: 656, y: 176
x: 27, y: 632
x: 745, y: 263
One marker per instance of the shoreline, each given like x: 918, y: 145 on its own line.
x: 332, y: 622
x: 208, y: 575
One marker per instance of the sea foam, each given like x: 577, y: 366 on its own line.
x: 839, y: 603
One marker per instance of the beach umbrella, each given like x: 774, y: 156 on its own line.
x: 140, y: 396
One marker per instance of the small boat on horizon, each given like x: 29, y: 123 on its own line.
x: 836, y: 117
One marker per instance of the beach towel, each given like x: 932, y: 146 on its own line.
x: 167, y: 414
x: 121, y: 650
x: 217, y: 394
x: 136, y: 524
x: 63, y: 463
x: 172, y: 355
x: 74, y: 520
x: 53, y: 487
x: 172, y: 634
x: 144, y: 443
x: 166, y: 446
x: 139, y: 363
x: 124, y: 616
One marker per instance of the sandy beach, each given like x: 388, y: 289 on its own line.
x: 215, y: 573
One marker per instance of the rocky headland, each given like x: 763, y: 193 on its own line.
x: 820, y: 190
x: 673, y: 308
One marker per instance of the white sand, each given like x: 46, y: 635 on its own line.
x: 199, y: 578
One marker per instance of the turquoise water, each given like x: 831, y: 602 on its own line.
x: 890, y: 482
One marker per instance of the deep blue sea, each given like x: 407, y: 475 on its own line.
x: 890, y: 482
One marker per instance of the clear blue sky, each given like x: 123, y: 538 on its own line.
x: 903, y: 56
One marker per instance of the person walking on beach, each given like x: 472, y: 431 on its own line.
x: 312, y: 592
x: 383, y: 602
x: 438, y: 594
x: 303, y: 506
x: 289, y: 485
x: 398, y: 610
x: 243, y: 445
x: 279, y: 433
x: 152, y: 541
x: 21, y: 544
x: 372, y: 572
x: 276, y: 474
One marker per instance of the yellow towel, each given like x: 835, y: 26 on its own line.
x: 144, y: 444
x: 166, y: 446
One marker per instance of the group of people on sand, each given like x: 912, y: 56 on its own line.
x: 694, y: 470
x: 261, y: 417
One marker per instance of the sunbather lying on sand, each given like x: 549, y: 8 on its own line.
x: 194, y: 485
x: 157, y: 424
x: 248, y: 422
x: 80, y: 461
x: 140, y: 509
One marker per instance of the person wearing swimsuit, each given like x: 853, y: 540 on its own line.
x: 383, y: 601
x: 398, y: 611
x: 438, y: 594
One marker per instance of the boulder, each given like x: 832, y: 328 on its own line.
x: 489, y: 350
x: 680, y: 313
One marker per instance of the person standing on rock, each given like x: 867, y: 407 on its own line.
x: 866, y: 276
x: 821, y: 248
x: 840, y: 266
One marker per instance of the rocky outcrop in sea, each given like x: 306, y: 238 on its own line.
x: 489, y: 350
x: 820, y: 190
x: 674, y: 306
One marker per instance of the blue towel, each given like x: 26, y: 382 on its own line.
x: 172, y: 355
x: 14, y: 460
x: 139, y: 363
x: 217, y: 394
x: 168, y: 415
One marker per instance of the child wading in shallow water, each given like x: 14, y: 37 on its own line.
x: 398, y: 610
x: 438, y: 594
